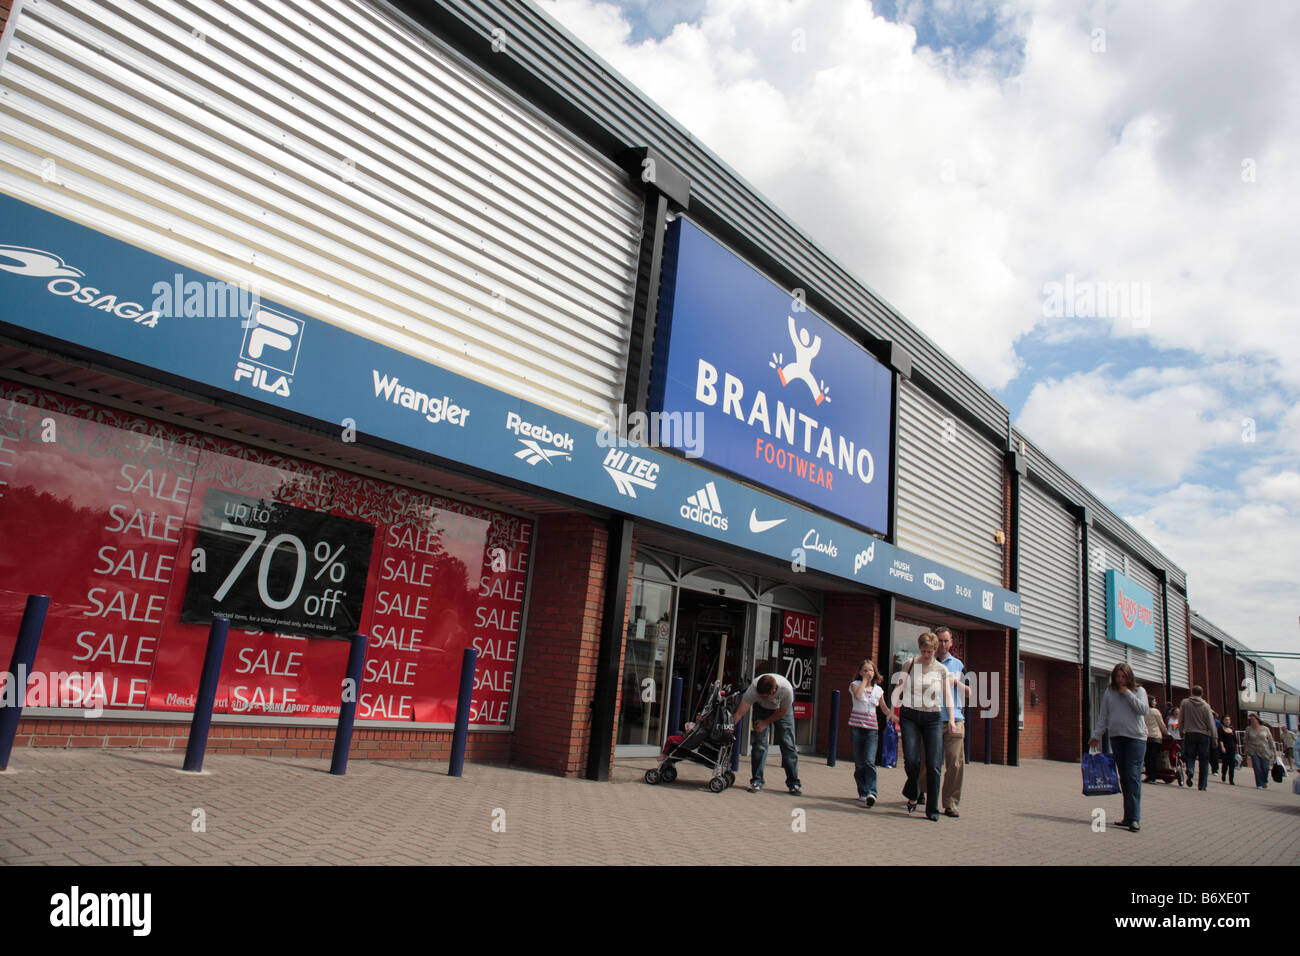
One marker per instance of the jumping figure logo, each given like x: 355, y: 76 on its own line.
x: 806, y: 347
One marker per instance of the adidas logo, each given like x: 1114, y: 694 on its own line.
x: 704, y: 507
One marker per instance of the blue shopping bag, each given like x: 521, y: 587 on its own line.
x: 1100, y: 775
x: 889, y: 747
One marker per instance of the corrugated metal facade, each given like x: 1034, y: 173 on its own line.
x: 1178, y: 663
x: 1106, y: 554
x: 949, y: 488
x: 327, y: 156
x: 1049, y: 577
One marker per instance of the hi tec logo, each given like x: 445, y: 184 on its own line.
x: 1131, y: 611
x: 630, y: 472
x: 704, y: 507
x: 538, y: 435
x: 933, y: 581
x: 24, y: 261
x: 863, y: 558
x: 433, y: 409
x: 270, y: 346
x: 75, y: 908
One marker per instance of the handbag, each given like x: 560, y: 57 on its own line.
x: 1279, y: 770
x: 1100, y: 775
x: 889, y: 747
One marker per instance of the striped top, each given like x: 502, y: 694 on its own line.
x: 864, y: 711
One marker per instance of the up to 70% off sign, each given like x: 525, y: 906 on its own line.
x: 255, y: 565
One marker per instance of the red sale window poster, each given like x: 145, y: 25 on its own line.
x: 799, y: 658
x: 141, y: 531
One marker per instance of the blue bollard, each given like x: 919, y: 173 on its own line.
x: 675, y: 708
x: 835, y: 729
x: 348, y: 712
x: 468, y: 664
x: 207, y: 695
x: 24, y: 659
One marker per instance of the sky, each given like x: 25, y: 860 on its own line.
x: 1091, y: 207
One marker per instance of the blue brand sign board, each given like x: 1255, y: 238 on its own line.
x: 1130, y: 612
x: 63, y: 280
x: 786, y: 400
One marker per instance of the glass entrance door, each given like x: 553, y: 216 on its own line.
x: 709, y: 646
x: 649, y: 642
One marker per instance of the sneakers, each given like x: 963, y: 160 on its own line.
x: 871, y: 800
x: 796, y: 790
x: 755, y: 786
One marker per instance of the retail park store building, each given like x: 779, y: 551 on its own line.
x: 416, y: 321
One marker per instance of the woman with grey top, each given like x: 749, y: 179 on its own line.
x: 1260, y: 749
x: 1123, y: 715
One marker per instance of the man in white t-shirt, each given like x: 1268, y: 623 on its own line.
x: 772, y: 698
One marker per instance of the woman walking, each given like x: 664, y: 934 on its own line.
x: 1123, y: 716
x: 926, y: 691
x: 868, y: 698
x: 1260, y: 749
x: 1228, y: 740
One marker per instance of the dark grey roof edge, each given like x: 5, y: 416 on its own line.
x: 1049, y: 473
x: 555, y: 71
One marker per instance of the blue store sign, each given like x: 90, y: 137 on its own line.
x: 62, y: 280
x: 786, y: 400
x: 1130, y: 612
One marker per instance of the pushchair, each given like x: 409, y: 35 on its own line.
x: 1169, y: 765
x: 709, y: 741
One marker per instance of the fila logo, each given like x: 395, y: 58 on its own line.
x: 532, y: 452
x: 630, y: 472
x: 704, y: 507
x: 271, y: 342
x: 271, y: 330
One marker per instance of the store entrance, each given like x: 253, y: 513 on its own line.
x: 710, y: 629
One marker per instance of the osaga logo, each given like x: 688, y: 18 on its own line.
x: 863, y: 558
x: 704, y: 507
x: 536, y: 437
x: 25, y: 261
x: 806, y: 348
x: 1131, y: 611
x: 933, y: 581
x: 630, y: 472
x: 269, y: 352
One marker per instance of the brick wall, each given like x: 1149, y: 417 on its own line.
x: 1064, y: 702
x: 1214, y: 687
x: 1033, y: 738
x: 558, y: 680
x: 5, y: 7
x: 850, y: 632
x: 255, y: 740
x: 990, y: 652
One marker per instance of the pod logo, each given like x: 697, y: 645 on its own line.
x: 39, y: 264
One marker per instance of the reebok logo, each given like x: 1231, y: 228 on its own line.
x: 704, y: 508
x: 533, y: 437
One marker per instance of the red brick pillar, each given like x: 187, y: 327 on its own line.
x: 1065, y: 711
x: 1214, y: 690
x: 558, y: 678
x: 987, y: 653
x: 5, y: 7
x: 850, y: 633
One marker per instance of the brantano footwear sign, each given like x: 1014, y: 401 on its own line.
x: 340, y: 379
x: 787, y: 400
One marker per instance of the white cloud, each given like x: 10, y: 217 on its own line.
x: 957, y: 194
x: 1150, y: 428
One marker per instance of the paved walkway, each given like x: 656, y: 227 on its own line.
x: 126, y: 807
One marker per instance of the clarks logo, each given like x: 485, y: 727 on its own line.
x: 25, y: 261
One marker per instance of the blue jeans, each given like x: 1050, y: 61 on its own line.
x: 864, y: 759
x: 1128, y: 753
x: 1262, y: 767
x: 922, y: 742
x: 1196, y: 747
x: 784, y: 731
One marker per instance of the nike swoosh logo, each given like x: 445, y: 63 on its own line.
x: 758, y: 527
